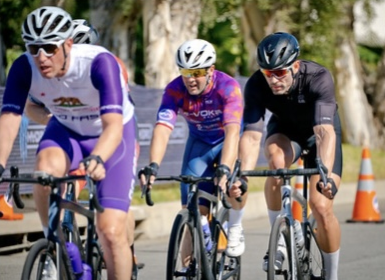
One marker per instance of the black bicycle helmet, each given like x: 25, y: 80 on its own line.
x: 278, y: 50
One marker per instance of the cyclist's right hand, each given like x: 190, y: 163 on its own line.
x: 147, y: 175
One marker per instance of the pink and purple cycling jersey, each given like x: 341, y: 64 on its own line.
x: 206, y: 114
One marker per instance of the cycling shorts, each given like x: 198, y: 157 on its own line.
x: 116, y: 189
x: 199, y: 160
x: 302, y: 140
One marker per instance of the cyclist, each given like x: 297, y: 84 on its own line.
x: 92, y: 125
x: 300, y: 95
x: 83, y: 33
x: 211, y: 103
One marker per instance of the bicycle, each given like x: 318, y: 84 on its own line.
x: 52, y: 251
x: 199, y: 263
x: 299, y: 264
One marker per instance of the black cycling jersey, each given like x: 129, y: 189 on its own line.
x: 311, y: 100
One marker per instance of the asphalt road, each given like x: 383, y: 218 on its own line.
x: 362, y: 251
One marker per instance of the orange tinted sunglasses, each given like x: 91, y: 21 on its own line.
x: 278, y: 73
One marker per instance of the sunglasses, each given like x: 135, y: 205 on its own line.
x: 278, y: 73
x: 195, y: 73
x: 47, y: 49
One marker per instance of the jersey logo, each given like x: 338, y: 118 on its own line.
x: 301, y: 98
x: 68, y: 102
x: 166, y: 115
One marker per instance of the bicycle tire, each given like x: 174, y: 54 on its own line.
x: 280, y: 227
x: 225, y: 267
x: 314, y: 268
x: 99, y: 271
x: 41, y: 253
x: 179, y: 265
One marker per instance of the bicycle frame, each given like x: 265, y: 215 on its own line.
x: 56, y: 204
x: 287, y: 194
x: 193, y: 207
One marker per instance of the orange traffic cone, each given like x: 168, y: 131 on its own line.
x: 366, y: 207
x: 297, y: 208
x: 7, y: 210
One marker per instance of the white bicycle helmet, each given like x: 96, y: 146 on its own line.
x: 84, y: 33
x: 47, y: 24
x: 195, y: 54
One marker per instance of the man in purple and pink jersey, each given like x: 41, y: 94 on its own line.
x: 212, y: 105
x: 92, y: 125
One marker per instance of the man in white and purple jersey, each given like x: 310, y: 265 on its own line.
x: 212, y: 105
x: 92, y: 125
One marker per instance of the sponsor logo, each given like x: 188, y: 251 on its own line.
x: 68, y: 102
x: 166, y: 114
x: 34, y: 134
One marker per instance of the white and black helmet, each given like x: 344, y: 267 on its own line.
x: 195, y: 54
x: 84, y: 33
x: 47, y: 24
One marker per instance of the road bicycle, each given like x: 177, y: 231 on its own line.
x: 302, y: 264
x: 187, y: 256
x: 52, y: 251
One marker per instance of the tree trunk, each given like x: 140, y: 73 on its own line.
x: 115, y: 28
x: 167, y: 24
x: 379, y: 100
x: 355, y: 111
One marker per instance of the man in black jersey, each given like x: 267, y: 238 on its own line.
x: 300, y: 95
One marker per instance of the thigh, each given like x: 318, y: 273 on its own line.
x: 116, y: 189
x: 199, y: 160
x: 58, y: 149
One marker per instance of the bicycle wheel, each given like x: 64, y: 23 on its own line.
x: 282, y: 255
x: 99, y: 271
x: 225, y: 267
x: 183, y: 256
x: 314, y: 264
x: 41, y: 262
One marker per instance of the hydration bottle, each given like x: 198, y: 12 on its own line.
x: 299, y: 240
x: 206, y: 233
x: 76, y: 259
x: 87, y: 272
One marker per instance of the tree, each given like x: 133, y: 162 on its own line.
x: 167, y: 24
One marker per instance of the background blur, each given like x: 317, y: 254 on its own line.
x: 346, y: 36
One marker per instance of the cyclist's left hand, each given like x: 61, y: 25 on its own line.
x: 329, y: 190
x: 238, y: 188
x: 94, y: 166
x: 222, y: 174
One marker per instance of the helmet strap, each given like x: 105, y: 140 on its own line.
x: 65, y: 58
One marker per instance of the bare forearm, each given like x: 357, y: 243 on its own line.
x: 9, y: 127
x: 326, y: 142
x: 249, y: 149
x: 159, y: 141
x: 230, y: 145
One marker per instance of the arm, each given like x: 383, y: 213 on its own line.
x: 229, y: 150
x: 159, y: 141
x: 37, y: 113
x: 9, y: 128
x: 249, y: 149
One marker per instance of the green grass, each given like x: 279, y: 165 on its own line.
x: 350, y: 172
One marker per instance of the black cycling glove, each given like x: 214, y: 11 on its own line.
x: 222, y: 170
x: 334, y: 187
x: 86, y: 161
x: 151, y: 169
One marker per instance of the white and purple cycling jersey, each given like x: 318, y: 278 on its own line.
x: 92, y: 86
x: 76, y: 100
x: 205, y: 114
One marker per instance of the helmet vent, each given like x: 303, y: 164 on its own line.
x: 187, y: 56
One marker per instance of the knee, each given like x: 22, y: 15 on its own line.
x: 113, y: 233
x: 322, y: 212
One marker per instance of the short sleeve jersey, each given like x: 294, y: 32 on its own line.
x: 206, y: 114
x: 311, y: 100
x: 92, y: 86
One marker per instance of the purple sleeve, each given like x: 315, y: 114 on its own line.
x: 105, y: 76
x: 17, y: 86
x: 233, y: 107
x: 168, y: 110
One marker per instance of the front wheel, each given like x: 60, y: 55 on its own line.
x: 183, y: 256
x: 41, y: 262
x: 314, y: 263
x: 280, y: 264
x: 225, y: 267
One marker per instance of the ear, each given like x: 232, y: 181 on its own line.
x: 296, y: 66
x: 211, y: 69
